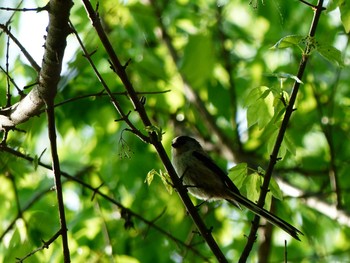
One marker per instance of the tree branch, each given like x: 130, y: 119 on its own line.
x: 342, y: 216
x: 274, y: 155
x: 46, y: 244
x: 96, y: 191
x: 153, y: 137
x: 49, y: 77
x: 124, y: 117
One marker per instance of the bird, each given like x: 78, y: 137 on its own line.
x: 207, y: 181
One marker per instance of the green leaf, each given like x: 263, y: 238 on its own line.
x: 288, y: 41
x: 258, y: 108
x: 283, y: 75
x: 150, y: 176
x: 330, y: 53
x: 238, y: 174
x: 261, y: 171
x: 344, y: 8
x: 164, y: 176
x: 198, y: 62
x: 157, y: 130
x: 289, y: 144
x: 333, y: 4
x: 275, y: 189
x: 252, y: 184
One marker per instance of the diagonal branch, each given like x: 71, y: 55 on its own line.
x: 154, y: 138
x: 274, y: 155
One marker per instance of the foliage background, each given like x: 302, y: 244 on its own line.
x: 222, y: 53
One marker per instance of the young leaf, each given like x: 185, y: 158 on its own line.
x: 238, y: 174
x: 332, y: 54
x: 150, y: 176
x: 253, y: 184
x: 275, y: 189
x: 288, y: 41
x: 164, y: 176
x: 166, y: 181
x: 258, y: 107
x: 344, y: 8
x: 283, y: 75
x: 157, y: 130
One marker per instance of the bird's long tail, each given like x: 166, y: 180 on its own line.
x: 275, y: 220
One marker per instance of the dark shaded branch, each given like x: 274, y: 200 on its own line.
x: 57, y: 175
x: 327, y: 129
x: 229, y: 66
x: 49, y: 77
x: 153, y: 138
x: 274, y: 155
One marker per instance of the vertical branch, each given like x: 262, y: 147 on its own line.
x: 49, y: 77
x: 328, y: 132
x: 57, y: 175
x: 8, y: 92
x: 274, y: 155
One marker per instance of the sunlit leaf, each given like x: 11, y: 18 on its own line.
x: 345, y: 14
x: 331, y: 54
x: 150, y: 176
x: 288, y: 41
x: 238, y: 173
x: 252, y: 184
x: 284, y: 75
x: 275, y: 189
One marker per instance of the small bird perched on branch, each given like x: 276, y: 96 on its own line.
x: 206, y: 181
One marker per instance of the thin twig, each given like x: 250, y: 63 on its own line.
x: 11, y: 80
x: 21, y: 47
x: 46, y: 244
x: 36, y: 9
x: 115, y: 103
x: 99, y: 94
x: 8, y: 92
x: 96, y: 191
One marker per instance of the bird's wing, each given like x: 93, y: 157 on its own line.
x: 208, y: 162
x: 237, y: 198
